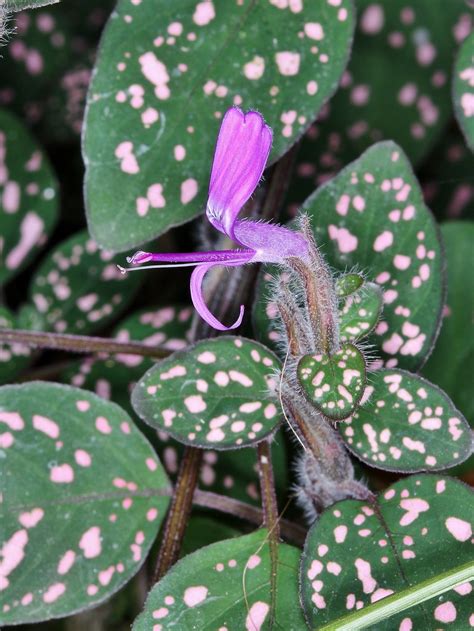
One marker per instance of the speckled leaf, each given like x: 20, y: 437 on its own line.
x: 360, y: 313
x: 396, y: 86
x: 334, y: 383
x: 218, y: 394
x: 455, y: 345
x: 78, y: 287
x: 357, y: 554
x: 408, y: 424
x: 75, y: 504
x: 348, y: 284
x: 36, y: 55
x: 13, y: 357
x: 114, y: 377
x: 372, y: 214
x: 227, y: 586
x: 149, y: 70
x: 463, y: 88
x: 28, y: 196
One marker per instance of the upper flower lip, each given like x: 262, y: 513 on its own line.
x: 241, y: 153
x: 242, y: 149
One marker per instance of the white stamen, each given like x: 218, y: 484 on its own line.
x: 140, y: 268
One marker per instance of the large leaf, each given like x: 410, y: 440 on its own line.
x: 218, y: 394
x: 396, y: 86
x: 227, y: 586
x: 463, y: 88
x: 81, y: 500
x: 78, y: 287
x: 455, y: 345
x: 166, y: 73
x: 373, y: 215
x: 357, y: 554
x: 408, y: 424
x: 28, y: 196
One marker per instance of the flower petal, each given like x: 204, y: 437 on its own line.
x: 197, y: 278
x: 242, y: 149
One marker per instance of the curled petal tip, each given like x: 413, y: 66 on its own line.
x: 139, y: 257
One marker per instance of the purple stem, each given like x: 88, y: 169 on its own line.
x: 213, y: 256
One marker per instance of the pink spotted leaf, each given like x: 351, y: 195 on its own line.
x: 73, y: 505
x: 360, y: 312
x: 154, y: 62
x: 373, y: 215
x: 358, y: 553
x: 226, y: 585
x: 407, y: 424
x: 78, y: 287
x: 28, y: 197
x: 463, y: 89
x: 218, y: 394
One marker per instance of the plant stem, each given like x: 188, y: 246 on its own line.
x: 79, y: 343
x: 178, y: 514
x: 402, y: 600
x: 270, y: 512
x: 206, y: 499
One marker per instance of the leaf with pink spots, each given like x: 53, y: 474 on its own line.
x: 156, y: 59
x: 73, y: 504
x: 28, y: 197
x: 463, y: 89
x: 218, y: 394
x: 226, y: 585
x: 335, y: 383
x: 357, y: 554
x: 78, y: 287
x: 396, y: 86
x: 408, y: 424
x: 360, y: 312
x: 13, y: 357
x: 372, y: 214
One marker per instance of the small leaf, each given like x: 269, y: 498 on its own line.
x: 78, y: 287
x: 334, y: 383
x: 372, y: 214
x: 360, y: 313
x: 28, y: 197
x: 455, y: 345
x: 149, y: 70
x: 217, y: 394
x: 68, y: 490
x: 357, y: 554
x: 227, y: 585
x: 348, y: 284
x: 463, y: 89
x: 408, y: 424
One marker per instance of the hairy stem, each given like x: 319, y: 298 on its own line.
x: 79, y: 343
x: 178, y: 514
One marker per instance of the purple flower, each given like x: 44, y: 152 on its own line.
x: 241, y: 153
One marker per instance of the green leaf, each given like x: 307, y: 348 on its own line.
x: 372, y: 214
x: 396, y: 87
x: 218, y: 394
x: 334, y: 384
x: 283, y: 59
x: 227, y: 585
x: 408, y: 424
x: 347, y: 284
x: 463, y: 89
x: 360, y: 313
x: 28, y: 197
x: 202, y: 531
x: 78, y: 514
x: 78, y: 287
x: 357, y: 554
x: 455, y: 345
